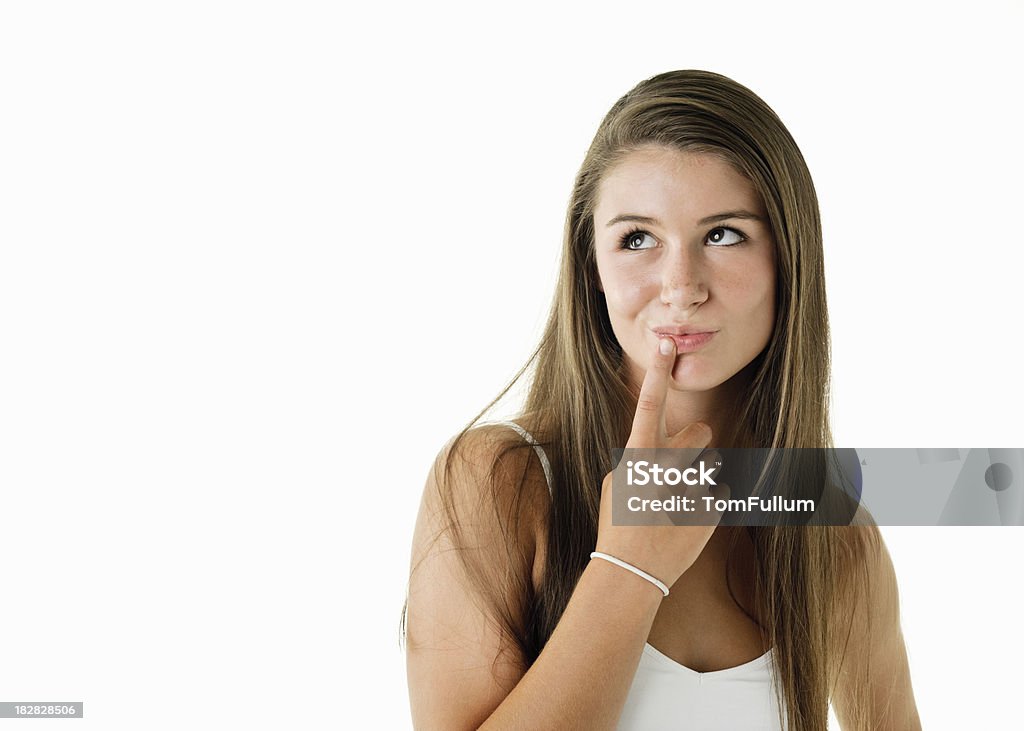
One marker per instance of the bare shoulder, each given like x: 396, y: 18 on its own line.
x: 487, y: 487
x: 494, y: 465
x: 473, y: 555
x: 865, y: 564
x: 866, y: 591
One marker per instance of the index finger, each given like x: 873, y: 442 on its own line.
x: 649, y: 419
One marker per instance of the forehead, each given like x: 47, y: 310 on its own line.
x: 656, y: 179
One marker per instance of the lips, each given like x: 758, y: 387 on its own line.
x: 683, y: 329
x: 687, y: 339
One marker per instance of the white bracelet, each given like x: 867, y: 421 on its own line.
x: 634, y: 569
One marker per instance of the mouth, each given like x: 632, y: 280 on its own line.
x: 687, y: 342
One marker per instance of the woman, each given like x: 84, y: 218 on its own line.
x: 690, y: 311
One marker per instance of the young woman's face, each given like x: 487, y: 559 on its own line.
x: 683, y: 246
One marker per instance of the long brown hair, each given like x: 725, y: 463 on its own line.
x: 579, y: 405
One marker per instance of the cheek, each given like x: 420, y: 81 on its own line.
x: 619, y: 297
x: 760, y: 305
x: 751, y: 298
x: 624, y: 289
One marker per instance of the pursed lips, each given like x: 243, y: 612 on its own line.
x: 687, y: 339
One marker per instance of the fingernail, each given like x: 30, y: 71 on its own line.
x: 665, y: 346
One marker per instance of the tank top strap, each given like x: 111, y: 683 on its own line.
x: 536, y: 447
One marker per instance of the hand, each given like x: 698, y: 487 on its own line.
x: 665, y: 552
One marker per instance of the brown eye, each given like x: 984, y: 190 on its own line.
x: 634, y: 240
x: 723, y: 236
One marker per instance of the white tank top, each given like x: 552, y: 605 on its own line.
x: 667, y: 695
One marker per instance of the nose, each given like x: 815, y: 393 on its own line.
x: 683, y: 279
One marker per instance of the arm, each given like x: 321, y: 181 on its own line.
x: 879, y: 655
x: 462, y: 673
x: 582, y: 676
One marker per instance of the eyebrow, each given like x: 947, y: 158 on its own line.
x: 709, y: 219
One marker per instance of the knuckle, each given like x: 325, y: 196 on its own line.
x: 647, y: 403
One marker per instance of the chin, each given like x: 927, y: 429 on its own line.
x: 689, y: 381
x: 690, y: 376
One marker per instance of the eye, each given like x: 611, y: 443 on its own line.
x: 724, y: 236
x: 634, y: 240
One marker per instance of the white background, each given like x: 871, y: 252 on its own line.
x: 260, y: 260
